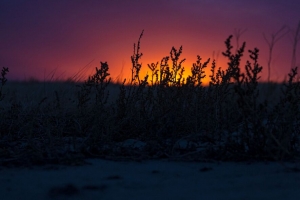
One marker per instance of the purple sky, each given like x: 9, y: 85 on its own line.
x: 39, y: 36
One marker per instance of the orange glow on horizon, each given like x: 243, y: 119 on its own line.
x: 119, y: 76
x: 51, y: 41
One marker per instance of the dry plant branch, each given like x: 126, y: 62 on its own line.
x: 275, y: 37
x: 296, y: 38
x: 238, y: 33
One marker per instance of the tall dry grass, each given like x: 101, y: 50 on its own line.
x: 162, y: 115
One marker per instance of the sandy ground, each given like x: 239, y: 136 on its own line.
x: 159, y: 179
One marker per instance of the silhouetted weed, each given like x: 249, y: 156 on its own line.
x: 232, y: 118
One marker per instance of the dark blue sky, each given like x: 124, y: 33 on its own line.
x: 38, y: 36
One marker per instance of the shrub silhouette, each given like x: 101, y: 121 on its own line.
x: 230, y: 119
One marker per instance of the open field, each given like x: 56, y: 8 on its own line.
x: 150, y: 126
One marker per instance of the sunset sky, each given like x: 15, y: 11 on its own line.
x: 41, y: 38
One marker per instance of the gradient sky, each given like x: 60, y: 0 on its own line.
x: 39, y: 36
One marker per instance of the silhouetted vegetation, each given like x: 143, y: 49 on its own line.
x: 163, y: 115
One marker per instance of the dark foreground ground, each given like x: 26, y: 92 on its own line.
x: 156, y: 179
